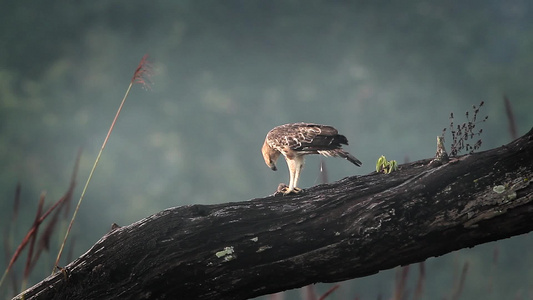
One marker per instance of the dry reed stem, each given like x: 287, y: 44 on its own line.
x: 141, y: 76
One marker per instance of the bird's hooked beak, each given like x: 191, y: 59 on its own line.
x: 271, y: 161
x: 270, y: 155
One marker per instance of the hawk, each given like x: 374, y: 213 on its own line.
x: 295, y: 140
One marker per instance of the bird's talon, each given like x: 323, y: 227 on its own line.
x: 282, y: 189
x: 285, y: 190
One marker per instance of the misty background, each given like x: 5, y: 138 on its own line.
x: 386, y: 74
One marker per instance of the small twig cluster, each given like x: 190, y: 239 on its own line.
x: 461, y: 134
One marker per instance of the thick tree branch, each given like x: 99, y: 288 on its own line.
x: 351, y: 228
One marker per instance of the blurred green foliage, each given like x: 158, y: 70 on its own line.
x: 386, y: 74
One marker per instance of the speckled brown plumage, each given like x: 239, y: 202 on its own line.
x: 295, y: 140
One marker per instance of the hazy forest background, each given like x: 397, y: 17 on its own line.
x: 387, y: 74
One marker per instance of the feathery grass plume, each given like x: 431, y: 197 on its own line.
x: 142, y: 76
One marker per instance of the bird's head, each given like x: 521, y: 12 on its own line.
x: 270, y: 155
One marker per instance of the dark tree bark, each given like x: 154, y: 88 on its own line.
x: 351, y: 228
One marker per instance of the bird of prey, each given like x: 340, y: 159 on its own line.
x: 295, y: 140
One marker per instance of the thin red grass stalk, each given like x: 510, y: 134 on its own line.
x: 14, y: 282
x: 519, y: 296
x: 26, y: 239
x: 33, y: 238
x: 9, y: 232
x: 331, y: 290
x: 41, y: 218
x: 401, y: 282
x: 421, y: 279
x: 276, y: 296
x: 142, y: 76
x: 495, y: 255
x: 461, y: 284
x: 493, y: 267
x: 44, y: 240
x: 7, y: 250
x: 309, y: 292
x: 72, y: 185
x: 455, y: 271
x: 16, y: 203
x: 510, y: 118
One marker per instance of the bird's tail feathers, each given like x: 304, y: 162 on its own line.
x: 350, y: 158
x: 343, y: 154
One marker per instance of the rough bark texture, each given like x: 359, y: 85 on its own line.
x: 351, y: 228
